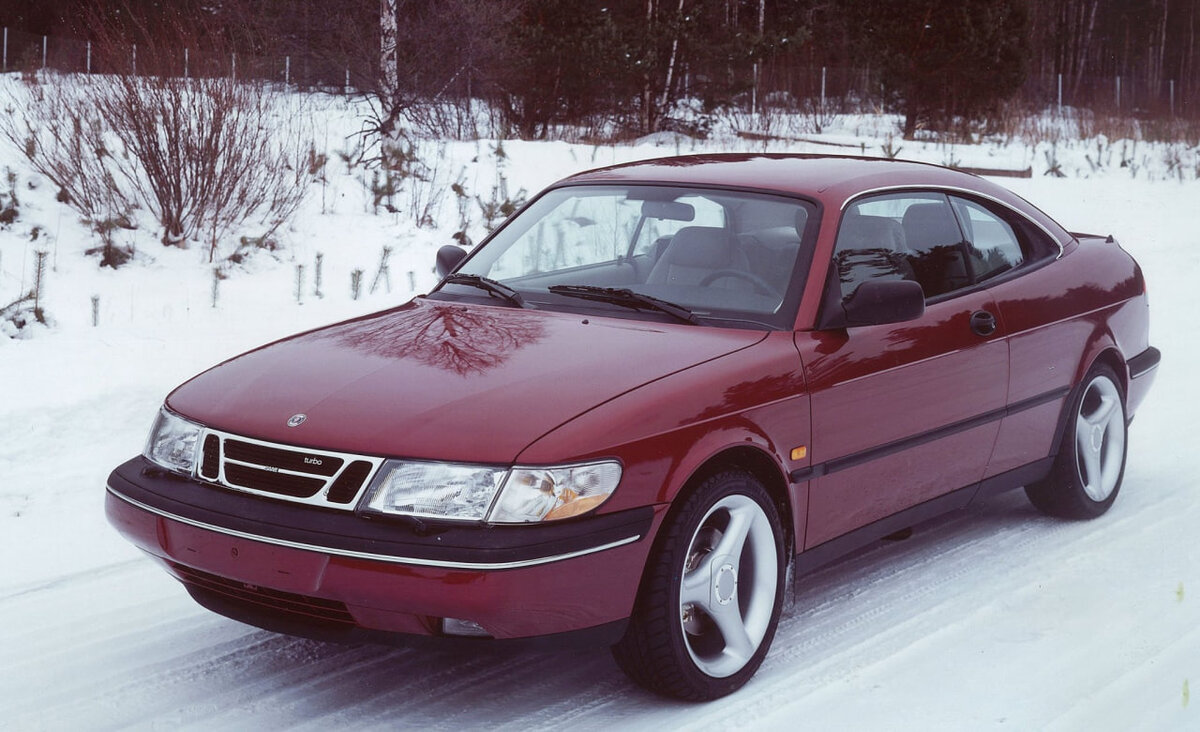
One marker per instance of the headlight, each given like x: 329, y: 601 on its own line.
x: 436, y: 490
x: 548, y: 494
x: 172, y: 443
x: 469, y: 492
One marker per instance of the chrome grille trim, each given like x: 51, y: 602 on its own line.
x: 318, y: 498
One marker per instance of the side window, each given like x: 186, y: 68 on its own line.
x: 992, y: 245
x: 913, y: 236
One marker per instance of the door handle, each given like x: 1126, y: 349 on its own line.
x: 983, y: 323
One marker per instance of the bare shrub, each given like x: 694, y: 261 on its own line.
x: 8, y: 208
x: 459, y: 119
x: 203, y: 154
x: 62, y: 133
x: 403, y: 172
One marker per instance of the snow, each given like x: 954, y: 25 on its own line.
x: 995, y: 617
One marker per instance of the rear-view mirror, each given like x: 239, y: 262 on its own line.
x: 670, y: 210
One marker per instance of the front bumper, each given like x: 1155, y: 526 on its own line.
x: 337, y: 575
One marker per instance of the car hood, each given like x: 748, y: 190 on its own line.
x: 442, y: 380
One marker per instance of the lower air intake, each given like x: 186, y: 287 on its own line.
x: 311, y: 608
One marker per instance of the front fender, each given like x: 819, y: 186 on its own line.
x: 665, y: 430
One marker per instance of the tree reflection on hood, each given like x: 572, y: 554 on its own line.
x: 465, y: 340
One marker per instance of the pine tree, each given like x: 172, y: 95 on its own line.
x: 947, y: 61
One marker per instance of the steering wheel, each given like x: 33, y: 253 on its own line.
x: 760, y: 285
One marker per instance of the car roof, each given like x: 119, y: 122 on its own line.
x: 831, y: 179
x: 804, y: 174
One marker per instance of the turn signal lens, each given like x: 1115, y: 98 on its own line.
x: 549, y: 494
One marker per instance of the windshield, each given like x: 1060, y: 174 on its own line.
x: 730, y: 258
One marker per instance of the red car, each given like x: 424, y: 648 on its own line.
x: 642, y: 401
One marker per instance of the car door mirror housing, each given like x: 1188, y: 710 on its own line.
x: 876, y: 302
x: 449, y: 257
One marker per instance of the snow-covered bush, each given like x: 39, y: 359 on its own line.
x: 202, y: 153
x: 52, y: 122
x: 19, y: 317
x: 8, y: 201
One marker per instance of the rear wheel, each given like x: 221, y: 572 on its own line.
x: 711, y: 598
x: 1091, y: 462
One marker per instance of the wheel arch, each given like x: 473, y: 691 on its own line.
x: 1105, y: 353
x: 763, y: 467
x: 1102, y: 348
x: 1112, y: 358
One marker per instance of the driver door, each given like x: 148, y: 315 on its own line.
x: 901, y: 413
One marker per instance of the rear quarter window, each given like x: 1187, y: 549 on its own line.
x: 993, y: 246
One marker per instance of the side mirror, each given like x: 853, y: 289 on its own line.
x: 876, y: 302
x: 449, y: 257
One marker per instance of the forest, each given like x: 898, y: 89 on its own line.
x: 619, y: 68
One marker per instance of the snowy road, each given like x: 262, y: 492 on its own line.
x: 992, y: 618
x: 995, y: 617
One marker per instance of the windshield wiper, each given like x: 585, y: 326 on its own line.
x: 626, y: 298
x: 492, y: 287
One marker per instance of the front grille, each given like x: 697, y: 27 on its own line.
x: 210, y: 463
x: 306, y: 462
x: 345, y: 488
x: 313, y: 608
x: 316, y: 477
x: 269, y: 481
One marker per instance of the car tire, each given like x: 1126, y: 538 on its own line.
x: 1087, y: 473
x: 711, y: 596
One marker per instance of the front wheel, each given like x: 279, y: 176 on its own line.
x: 711, y: 598
x: 1091, y: 462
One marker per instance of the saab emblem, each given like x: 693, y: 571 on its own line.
x: 296, y: 420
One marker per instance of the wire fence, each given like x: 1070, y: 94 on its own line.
x: 783, y: 83
x: 848, y: 89
x: 26, y: 52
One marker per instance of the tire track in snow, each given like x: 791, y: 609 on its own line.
x: 109, y: 570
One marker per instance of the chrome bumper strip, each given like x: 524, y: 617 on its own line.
x: 391, y: 559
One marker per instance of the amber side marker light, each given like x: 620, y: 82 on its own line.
x: 576, y: 506
x: 799, y: 453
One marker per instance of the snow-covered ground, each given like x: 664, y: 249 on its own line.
x: 992, y: 618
